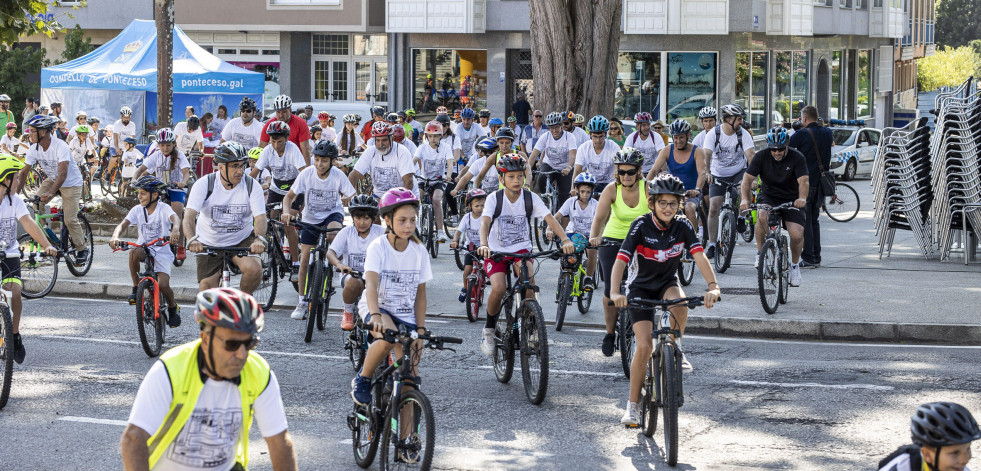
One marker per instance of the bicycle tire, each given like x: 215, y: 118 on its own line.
x: 357, y: 345
x: 585, y: 298
x: 669, y: 402
x: 87, y: 233
x: 34, y: 264
x: 419, y: 406
x: 459, y: 258
x: 841, y: 210
x: 648, y: 400
x: 625, y: 338
x: 750, y: 231
x: 767, y: 278
x: 686, y: 270
x: 504, y: 348
x: 365, y: 433
x: 784, y: 276
x: 6, y: 353
x: 146, y: 319
x: 727, y: 241
x: 564, y: 293
x: 313, y: 297
x: 327, y: 293
x: 474, y: 298
x: 538, y: 234
x: 423, y: 225
x: 433, y: 238
x: 534, y: 343
x: 266, y: 295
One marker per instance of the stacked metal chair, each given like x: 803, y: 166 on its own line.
x: 902, y: 194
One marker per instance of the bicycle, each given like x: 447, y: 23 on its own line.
x: 276, y: 264
x: 571, y: 276
x: 727, y: 227
x: 151, y: 307
x: 37, y: 286
x: 838, y: 206
x: 476, y: 283
x: 320, y: 280
x: 523, y: 331
x: 662, y: 387
x: 6, y: 340
x: 686, y: 271
x: 773, y: 274
x: 227, y: 268
x: 427, y: 223
x: 551, y: 199
x: 33, y: 181
x: 750, y: 219
x: 399, y: 406
x: 356, y: 341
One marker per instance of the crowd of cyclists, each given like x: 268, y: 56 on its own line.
x: 631, y: 203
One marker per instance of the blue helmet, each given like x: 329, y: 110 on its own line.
x: 468, y: 113
x: 776, y: 138
x: 496, y: 122
x: 487, y: 145
x: 584, y: 178
x: 598, y: 124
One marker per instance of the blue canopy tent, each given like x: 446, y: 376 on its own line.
x: 123, y: 72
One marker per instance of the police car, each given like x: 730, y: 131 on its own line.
x: 856, y: 146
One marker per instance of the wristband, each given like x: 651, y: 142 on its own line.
x: 192, y: 240
x: 374, y: 314
x: 262, y: 239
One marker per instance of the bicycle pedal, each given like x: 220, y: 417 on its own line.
x: 631, y: 426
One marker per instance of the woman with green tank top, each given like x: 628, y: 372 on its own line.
x: 619, y: 206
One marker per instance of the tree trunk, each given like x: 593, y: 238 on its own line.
x: 164, y: 13
x: 574, y: 47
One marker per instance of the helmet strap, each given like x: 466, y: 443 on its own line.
x: 209, y: 369
x: 224, y: 176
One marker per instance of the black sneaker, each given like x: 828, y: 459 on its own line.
x: 806, y: 264
x: 174, y: 316
x: 608, y: 344
x: 710, y: 252
x: 81, y: 258
x: 588, y: 284
x: 295, y: 273
x: 132, y: 297
x: 19, y: 351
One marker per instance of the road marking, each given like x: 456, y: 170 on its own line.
x: 474, y: 451
x: 569, y: 372
x: 833, y: 344
x: 85, y: 339
x: 304, y: 355
x: 90, y: 420
x: 592, y: 331
x: 94, y: 300
x: 129, y: 342
x: 813, y: 385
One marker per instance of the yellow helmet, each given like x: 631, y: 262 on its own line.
x: 9, y: 165
x: 254, y: 152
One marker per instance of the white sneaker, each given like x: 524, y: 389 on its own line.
x: 300, y: 312
x: 794, y: 275
x: 756, y: 264
x: 442, y: 238
x: 631, y: 418
x: 684, y: 362
x: 489, y: 343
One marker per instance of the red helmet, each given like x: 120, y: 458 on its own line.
x: 475, y: 193
x: 278, y: 128
x: 394, y: 198
x: 398, y: 133
x: 642, y: 117
x: 323, y: 116
x: 511, y: 163
x: 229, y: 308
x: 381, y: 129
x: 441, y: 110
x: 433, y: 127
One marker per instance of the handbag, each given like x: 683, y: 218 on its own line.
x: 827, y: 180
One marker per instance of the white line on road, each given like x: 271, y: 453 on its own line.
x: 833, y: 344
x: 813, y: 385
x: 569, y: 372
x: 86, y: 339
x: 90, y: 420
x: 129, y: 342
x: 475, y: 451
x: 305, y: 355
x: 592, y: 331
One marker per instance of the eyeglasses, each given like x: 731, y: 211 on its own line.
x: 538, y: 116
x: 233, y: 345
x: 566, y: 123
x: 658, y: 128
x: 630, y: 172
x: 665, y: 204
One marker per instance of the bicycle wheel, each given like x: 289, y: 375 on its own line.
x: 564, y: 293
x: 38, y: 271
x: 265, y: 293
x: 538, y: 233
x: 648, y: 399
x: 504, y: 350
x: 844, y: 205
x: 474, y: 298
x: 784, y: 264
x: 686, y: 271
x: 534, y: 352
x: 314, y: 301
x: 81, y: 270
x: 669, y: 402
x: 727, y: 241
x: 458, y: 256
x: 357, y: 345
x: 327, y: 293
x: 412, y: 420
x: 585, y: 298
x: 625, y: 335
x: 6, y: 353
x: 768, y: 276
x: 146, y: 319
x: 424, y: 227
x: 365, y: 432
x: 433, y: 234
x: 447, y: 228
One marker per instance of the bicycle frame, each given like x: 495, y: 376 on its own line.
x: 148, y: 273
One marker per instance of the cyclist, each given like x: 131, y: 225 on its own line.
x: 196, y: 404
x: 232, y: 212
x: 706, y: 117
x: 377, y: 114
x: 434, y: 159
x: 348, y: 141
x: 653, y: 247
x: 189, y: 135
x: 681, y: 160
x: 569, y: 124
x: 727, y: 152
x: 284, y: 160
x: 580, y: 212
x: 124, y: 127
x: 418, y: 128
x: 326, y: 121
x: 596, y: 157
x: 505, y: 141
x: 494, y: 125
x: 9, y: 143
x: 468, y: 132
x: 324, y: 189
x: 396, y: 269
x: 388, y: 164
x: 533, y: 131
x: 316, y: 132
x: 646, y: 142
x: 619, y: 205
x: 169, y: 164
x: 12, y: 211
x: 398, y: 136
x: 783, y: 173
x: 64, y: 177
x: 468, y: 233
x: 245, y: 129
x: 152, y: 221
x: 264, y: 177
x: 299, y: 130
x: 348, y: 251
x: 942, y: 433
x: 487, y: 148
x: 484, y: 117
x: 505, y: 227
x: 559, y: 149
x: 80, y: 145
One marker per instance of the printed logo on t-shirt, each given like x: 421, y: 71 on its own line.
x: 434, y: 167
x: 384, y: 178
x: 512, y: 230
x: 581, y: 224
x: 208, y: 438
x: 356, y: 261
x: 283, y: 171
x: 228, y: 219
x: 729, y: 157
x: 8, y: 230
x: 246, y: 139
x: 150, y: 230
x: 661, y: 256
x: 400, y: 288
x: 558, y: 156
x: 321, y: 200
x: 600, y: 170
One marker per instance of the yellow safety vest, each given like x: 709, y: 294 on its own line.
x: 185, y: 382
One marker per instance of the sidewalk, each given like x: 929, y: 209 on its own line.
x: 853, y: 296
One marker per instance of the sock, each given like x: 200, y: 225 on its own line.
x: 348, y: 307
x: 491, y: 322
x: 794, y: 265
x: 303, y: 299
x: 711, y: 244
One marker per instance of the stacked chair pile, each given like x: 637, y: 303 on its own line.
x: 901, y: 186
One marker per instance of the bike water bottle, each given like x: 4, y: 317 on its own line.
x: 286, y: 250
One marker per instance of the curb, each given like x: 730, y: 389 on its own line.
x: 782, y: 329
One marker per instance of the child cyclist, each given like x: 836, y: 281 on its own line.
x: 153, y: 220
x: 653, y: 246
x: 396, y: 269
x: 264, y: 177
x: 348, y: 250
x: 468, y: 232
x: 435, y: 159
x: 13, y: 210
x: 486, y: 149
x: 577, y: 215
x: 942, y: 434
x: 505, y: 227
x: 325, y: 189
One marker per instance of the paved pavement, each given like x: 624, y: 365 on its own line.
x: 853, y: 296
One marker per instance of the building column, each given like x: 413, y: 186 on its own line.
x: 296, y: 67
x: 496, y: 88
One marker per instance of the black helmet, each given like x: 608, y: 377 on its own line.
x: 230, y: 152
x: 938, y: 424
x: 511, y: 163
x: 666, y: 184
x: 325, y: 148
x: 364, y: 203
x: 505, y: 133
x: 629, y: 156
x: 443, y: 119
x: 247, y: 104
x: 378, y: 110
x: 193, y: 123
x: 484, y: 113
x: 150, y: 183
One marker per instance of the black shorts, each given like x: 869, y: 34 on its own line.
x: 654, y: 292
x: 11, y: 269
x: 468, y: 259
x: 274, y: 198
x: 607, y: 257
x: 308, y: 237
x: 433, y: 186
x: 793, y: 215
x: 716, y: 189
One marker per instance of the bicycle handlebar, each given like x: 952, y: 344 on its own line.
x: 787, y: 205
x: 406, y: 337
x: 216, y: 250
x: 498, y: 256
x: 158, y: 242
x: 691, y: 302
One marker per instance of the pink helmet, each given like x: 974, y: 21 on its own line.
x: 11, y: 125
x: 642, y: 117
x: 398, y: 133
x: 394, y: 198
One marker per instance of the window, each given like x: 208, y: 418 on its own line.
x: 270, y: 52
x: 690, y: 84
x: 254, y: 52
x: 340, y: 81
x: 845, y: 4
x: 370, y: 44
x: 321, y: 86
x: 751, y: 80
x: 638, y: 84
x: 362, y: 81
x: 863, y: 105
x: 230, y: 52
x: 440, y: 78
x: 876, y: 3
x: 330, y: 44
x: 837, y: 102
x: 790, y: 83
x: 381, y: 80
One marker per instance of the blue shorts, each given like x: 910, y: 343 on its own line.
x: 308, y: 237
x: 177, y: 195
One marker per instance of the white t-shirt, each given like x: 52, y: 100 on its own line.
x: 323, y: 196
x: 467, y: 138
x: 470, y: 228
x: 580, y: 219
x: 123, y: 131
x: 248, y: 136
x: 130, y: 159
x: 454, y: 142
x: 217, y: 125
x: 150, y: 226
x: 11, y: 210
x: 80, y: 148
x: 49, y: 159
x: 329, y: 134
x: 10, y: 142
x: 600, y: 166
x: 581, y: 135
x: 159, y: 165
x: 399, y: 277
x: 351, y: 247
x: 210, y: 435
x: 555, y: 152
x: 699, y: 139
x: 726, y: 160
x: 490, y: 183
x: 529, y: 135
x: 417, y: 126
x: 650, y: 147
x: 510, y: 232
x: 284, y: 168
x: 434, y: 161
x: 226, y: 217
x: 409, y: 146
x: 386, y: 170
x: 186, y: 140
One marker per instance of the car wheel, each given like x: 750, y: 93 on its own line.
x: 851, y: 168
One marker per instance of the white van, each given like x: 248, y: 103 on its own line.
x: 337, y: 109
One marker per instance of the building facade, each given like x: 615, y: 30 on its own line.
x: 916, y: 43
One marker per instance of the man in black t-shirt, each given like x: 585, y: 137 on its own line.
x: 521, y: 109
x: 783, y: 174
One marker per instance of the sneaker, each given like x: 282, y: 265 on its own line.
x: 132, y: 297
x: 442, y: 238
x: 710, y: 252
x: 588, y: 284
x: 685, y: 365
x: 361, y: 390
x: 608, y: 344
x: 463, y: 295
x: 631, y: 417
x: 174, y: 317
x: 347, y: 320
x: 489, y: 343
x: 19, y: 351
x: 756, y: 264
x: 295, y: 274
x: 806, y: 264
x: 794, y: 275
x: 81, y: 258
x: 300, y: 312
x: 408, y: 450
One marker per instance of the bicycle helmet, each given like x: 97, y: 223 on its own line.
x: 433, y: 127
x: 512, y: 119
x: 495, y: 122
x: 443, y: 119
x: 731, y: 110
x: 108, y: 128
x: 282, y: 102
x: 255, y: 152
x: 323, y: 116
x: 11, y: 125
x: 78, y: 129
x: 938, y: 424
x: 395, y: 198
x: 278, y: 128
x: 484, y: 113
x: 474, y: 194
x: 166, y: 135
x: 569, y: 115
x: 93, y: 120
x: 398, y: 133
x: 456, y: 113
x: 403, y: 115
x: 392, y: 118
x: 678, y: 127
x: 229, y: 308
x: 377, y: 111
x: 511, y: 163
x: 150, y: 183
x: 553, y: 119
x: 504, y: 133
x: 776, y: 138
x: 247, y: 104
x: 363, y: 203
x: 598, y: 124
x: 325, y: 148
x: 315, y: 128
x: 124, y: 111
x: 80, y: 114
x: 9, y: 165
x: 43, y: 121
x: 350, y: 118
x: 4, y: 97
x: 579, y: 119
x: 584, y: 178
x: 228, y: 152
x: 629, y: 156
x: 410, y: 112
x: 486, y: 145
x: 441, y: 110
x: 193, y: 123
x: 381, y: 129
x: 666, y: 184
x: 468, y: 113
x: 707, y: 112
x: 130, y: 140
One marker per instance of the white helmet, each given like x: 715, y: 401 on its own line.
x: 282, y: 102
x: 81, y: 114
x: 125, y: 111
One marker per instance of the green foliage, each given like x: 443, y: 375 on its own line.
x: 76, y: 44
x: 15, y: 65
x: 947, y: 67
x: 958, y: 22
x: 26, y: 17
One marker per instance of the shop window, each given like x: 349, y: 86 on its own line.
x: 370, y: 44
x: 638, y: 84
x: 340, y: 81
x: 691, y: 79
x: 751, y: 80
x: 837, y: 102
x: 330, y: 44
x: 449, y: 77
x: 864, y: 77
x: 790, y: 83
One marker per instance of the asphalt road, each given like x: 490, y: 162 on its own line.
x: 749, y: 404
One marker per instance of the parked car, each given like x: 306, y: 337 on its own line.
x: 854, y: 152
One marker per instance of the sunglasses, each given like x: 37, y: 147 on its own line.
x: 778, y: 149
x: 538, y: 116
x: 630, y: 172
x: 658, y: 128
x: 615, y: 128
x: 233, y: 345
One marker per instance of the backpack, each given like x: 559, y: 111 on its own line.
x: 214, y: 176
x: 915, y: 460
x: 739, y: 139
x: 499, y: 194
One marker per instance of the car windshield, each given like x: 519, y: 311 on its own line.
x: 844, y: 137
